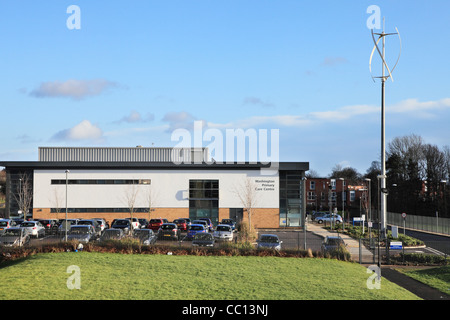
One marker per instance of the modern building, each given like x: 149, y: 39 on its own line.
x: 147, y: 183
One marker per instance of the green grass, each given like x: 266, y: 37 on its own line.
x: 438, y: 278
x: 117, y: 276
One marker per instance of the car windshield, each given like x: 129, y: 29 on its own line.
x: 223, y: 228
x: 155, y: 221
x: 3, y: 223
x: 268, y: 239
x: 122, y: 222
x: 27, y: 224
x: 168, y: 226
x: 334, y: 241
x: 201, y: 222
x: 79, y: 230
x: 203, y: 236
x: 227, y: 221
x: 12, y: 232
x: 197, y: 228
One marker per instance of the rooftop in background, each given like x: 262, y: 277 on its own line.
x: 122, y: 154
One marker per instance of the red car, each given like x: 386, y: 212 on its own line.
x: 182, y: 224
x: 155, y: 224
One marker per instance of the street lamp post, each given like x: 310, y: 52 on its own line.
x: 369, y: 220
x: 343, y: 201
x: 67, y: 182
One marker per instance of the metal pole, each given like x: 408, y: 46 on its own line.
x: 67, y: 182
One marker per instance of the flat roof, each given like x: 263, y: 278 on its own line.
x: 36, y: 165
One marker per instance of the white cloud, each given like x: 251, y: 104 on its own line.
x: 135, y: 117
x: 84, y: 131
x: 420, y: 109
x: 180, y: 120
x: 74, y: 89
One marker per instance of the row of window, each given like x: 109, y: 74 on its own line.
x: 312, y: 195
x: 98, y: 210
x: 101, y: 181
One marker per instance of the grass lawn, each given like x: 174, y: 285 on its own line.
x: 116, y: 276
x: 438, y: 278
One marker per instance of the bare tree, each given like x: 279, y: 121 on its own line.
x: 247, y: 195
x: 130, y: 200
x: 57, y: 201
x: 24, y: 194
x: 151, y: 199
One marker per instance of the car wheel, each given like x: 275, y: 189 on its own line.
x: 319, y: 221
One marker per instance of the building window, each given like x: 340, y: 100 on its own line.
x: 312, y: 185
x: 101, y: 181
x: 204, y: 200
x: 311, y: 195
x: 352, y: 195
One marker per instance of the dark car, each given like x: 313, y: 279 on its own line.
x: 229, y: 222
x: 203, y: 240
x: 194, y: 229
x: 143, y: 222
x: 94, y: 223
x: 50, y: 225
x: 182, y: 224
x: 112, y: 234
x: 155, y: 224
x: 169, y: 231
x: 332, y: 243
x: 210, y: 224
x: 82, y: 233
x: 145, y: 236
x: 123, y: 224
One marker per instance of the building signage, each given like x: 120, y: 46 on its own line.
x: 265, y: 185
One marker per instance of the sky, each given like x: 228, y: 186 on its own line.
x: 127, y: 73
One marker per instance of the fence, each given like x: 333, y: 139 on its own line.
x: 430, y: 224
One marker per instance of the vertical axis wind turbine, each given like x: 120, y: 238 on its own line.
x: 383, y: 77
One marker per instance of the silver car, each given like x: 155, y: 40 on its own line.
x: 82, y: 233
x: 269, y: 241
x: 15, y: 237
x: 223, y: 232
x: 34, y: 228
x: 5, y: 224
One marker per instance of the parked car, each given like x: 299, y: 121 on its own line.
x: 34, y: 228
x: 65, y: 225
x: 270, y: 241
x: 328, y: 218
x: 135, y: 223
x: 6, y: 224
x: 112, y: 234
x: 102, y: 224
x: 223, y: 232
x: 123, y: 224
x: 182, y: 224
x: 194, y: 229
x: 143, y: 223
x: 50, y: 225
x: 145, y: 236
x: 210, y: 224
x: 93, y: 223
x: 155, y: 224
x: 15, y: 237
x: 203, y: 223
x: 169, y: 231
x: 331, y: 243
x: 229, y: 222
x: 82, y: 233
x: 203, y: 240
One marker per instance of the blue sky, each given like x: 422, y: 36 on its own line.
x: 136, y: 70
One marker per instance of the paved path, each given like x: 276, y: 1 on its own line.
x: 352, y: 244
x: 388, y: 272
